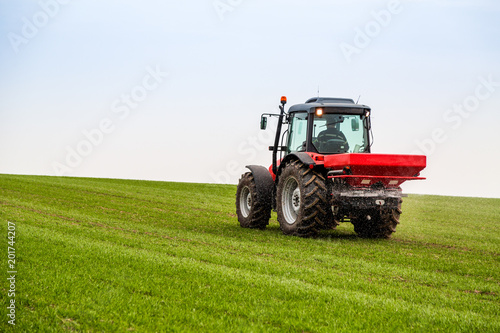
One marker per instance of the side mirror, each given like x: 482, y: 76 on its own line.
x: 263, y: 123
x: 355, y: 124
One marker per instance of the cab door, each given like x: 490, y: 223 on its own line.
x: 297, y: 137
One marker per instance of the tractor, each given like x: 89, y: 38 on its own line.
x: 326, y: 173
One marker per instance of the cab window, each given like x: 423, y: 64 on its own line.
x: 298, y: 132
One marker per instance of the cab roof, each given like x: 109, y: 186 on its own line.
x: 331, y: 105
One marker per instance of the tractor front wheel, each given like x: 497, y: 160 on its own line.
x: 302, y: 201
x: 252, y: 211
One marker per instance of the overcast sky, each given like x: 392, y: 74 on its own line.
x: 173, y: 90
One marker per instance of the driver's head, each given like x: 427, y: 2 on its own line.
x: 334, y: 121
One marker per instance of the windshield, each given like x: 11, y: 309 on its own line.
x: 337, y: 133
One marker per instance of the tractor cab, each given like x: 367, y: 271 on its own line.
x: 322, y: 125
x: 328, y: 126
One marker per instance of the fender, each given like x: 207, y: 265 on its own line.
x: 263, y: 182
x: 301, y: 156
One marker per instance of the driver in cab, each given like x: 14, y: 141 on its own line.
x: 332, y: 140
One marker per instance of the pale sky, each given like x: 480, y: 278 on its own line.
x: 174, y: 90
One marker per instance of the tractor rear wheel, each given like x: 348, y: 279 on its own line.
x: 252, y: 211
x: 302, y: 201
x: 377, y: 223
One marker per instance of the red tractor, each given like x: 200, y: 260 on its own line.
x: 326, y: 174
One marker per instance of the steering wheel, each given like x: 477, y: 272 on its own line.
x: 335, y: 146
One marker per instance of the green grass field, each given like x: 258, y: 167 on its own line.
x: 102, y: 255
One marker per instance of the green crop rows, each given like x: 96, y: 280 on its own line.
x: 102, y: 255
